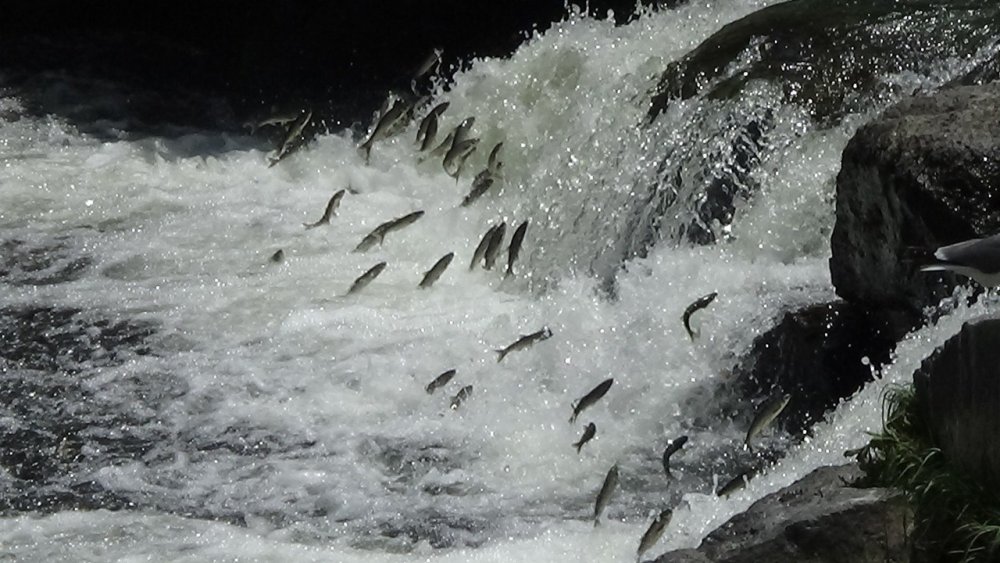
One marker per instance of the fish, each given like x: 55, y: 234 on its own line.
x: 429, y: 126
x: 523, y: 342
x: 278, y: 256
x: 432, y: 60
x: 291, y: 138
x: 454, y: 160
x: 366, y: 278
x: 493, y: 247
x: 443, y: 148
x: 463, y: 394
x: 331, y: 210
x: 588, y: 433
x: 440, y: 381
x: 385, y: 125
x: 477, y: 256
x: 463, y: 130
x: 673, y: 447
x: 767, y: 412
x: 655, y: 531
x: 378, y: 233
x: 493, y: 163
x: 482, y: 184
x: 432, y: 275
x: 590, y: 398
x: 610, y: 482
x: 515, y: 247
x: 275, y: 119
x: 737, y: 483
x: 698, y: 305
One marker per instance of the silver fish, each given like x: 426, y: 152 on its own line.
x: 655, y: 531
x: 515, y: 246
x: 698, y: 305
x: 588, y: 432
x: 765, y: 414
x: 463, y: 130
x: 737, y: 483
x: 378, y: 233
x: 440, y: 381
x: 278, y: 256
x: 331, y: 210
x: 366, y: 278
x: 591, y: 397
x: 607, y: 489
x: 463, y: 394
x: 493, y: 248
x: 385, y: 125
x: 673, y: 447
x: 276, y: 119
x: 493, y: 163
x: 429, y: 126
x: 292, y: 138
x: 482, y: 184
x: 430, y: 62
x: 523, y: 342
x: 455, y: 159
x: 477, y: 256
x: 443, y: 148
x: 432, y: 275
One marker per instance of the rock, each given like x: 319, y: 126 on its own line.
x: 818, y: 354
x: 818, y: 519
x: 958, y: 394
x: 682, y: 556
x: 924, y: 174
x: 828, y: 56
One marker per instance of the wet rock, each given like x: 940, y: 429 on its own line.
x: 818, y: 519
x: 683, y: 556
x: 820, y: 355
x: 924, y: 174
x: 958, y: 393
x: 824, y: 54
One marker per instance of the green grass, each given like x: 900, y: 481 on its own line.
x: 956, y: 518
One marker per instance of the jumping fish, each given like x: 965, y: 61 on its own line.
x: 463, y: 394
x: 463, y: 130
x: 524, y: 342
x: 765, y: 415
x: 737, y: 483
x: 480, y: 251
x: 385, y: 125
x: 432, y: 275
x: 655, y: 531
x: 482, y: 183
x: 441, y: 149
x: 588, y: 433
x: 366, y: 278
x: 429, y: 126
x: 493, y: 163
x: 278, y: 256
x: 440, y: 381
x: 515, y: 247
x: 673, y: 447
x: 610, y: 482
x: 456, y: 156
x: 590, y: 398
x: 276, y: 119
x: 291, y: 138
x: 493, y: 248
x: 698, y: 305
x: 430, y: 62
x: 331, y: 210
x: 378, y: 233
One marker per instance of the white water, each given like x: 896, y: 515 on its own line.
x: 344, y: 450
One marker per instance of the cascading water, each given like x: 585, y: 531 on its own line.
x: 205, y: 403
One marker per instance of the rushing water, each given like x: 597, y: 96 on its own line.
x: 200, y: 402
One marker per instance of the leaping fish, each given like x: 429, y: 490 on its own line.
x: 440, y: 381
x: 366, y: 278
x: 515, y: 247
x: 378, y: 233
x: 655, y: 531
x: 698, y: 305
x: 588, y: 432
x: 493, y: 247
x: 590, y: 398
x: 525, y: 341
x: 480, y: 251
x: 607, y: 489
x: 292, y: 138
x: 673, y: 447
x: 429, y: 126
x: 765, y: 415
x: 385, y: 125
x: 463, y: 394
x: 432, y: 275
x: 331, y: 210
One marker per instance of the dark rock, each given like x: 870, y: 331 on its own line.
x: 824, y: 54
x: 818, y: 519
x: 818, y: 355
x: 958, y: 393
x: 682, y: 556
x: 924, y: 174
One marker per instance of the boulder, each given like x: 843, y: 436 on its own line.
x: 818, y: 519
x: 926, y: 173
x: 820, y: 354
x: 958, y: 394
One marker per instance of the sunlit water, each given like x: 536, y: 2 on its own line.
x: 278, y: 419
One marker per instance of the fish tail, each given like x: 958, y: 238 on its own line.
x: 500, y: 355
x: 579, y: 446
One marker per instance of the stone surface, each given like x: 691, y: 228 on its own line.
x: 682, y: 556
x: 820, y: 354
x: 818, y: 519
x: 958, y: 392
x: 924, y: 174
x: 828, y: 56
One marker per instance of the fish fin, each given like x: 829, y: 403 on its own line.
x: 500, y: 355
x: 579, y: 446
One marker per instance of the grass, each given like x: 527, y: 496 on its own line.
x: 956, y: 518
